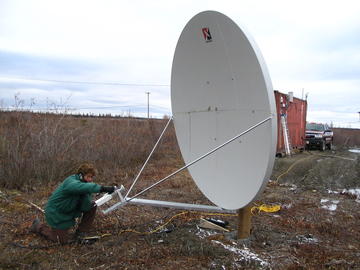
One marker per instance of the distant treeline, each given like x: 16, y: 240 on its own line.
x: 81, y: 115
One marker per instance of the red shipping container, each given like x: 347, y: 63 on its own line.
x: 295, y: 111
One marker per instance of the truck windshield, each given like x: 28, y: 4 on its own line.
x: 313, y: 126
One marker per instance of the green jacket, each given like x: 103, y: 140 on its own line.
x: 68, y: 201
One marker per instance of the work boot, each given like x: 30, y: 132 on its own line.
x: 88, y: 240
x: 83, y: 239
x: 79, y: 234
x: 35, y: 226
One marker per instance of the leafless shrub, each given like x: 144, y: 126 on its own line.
x: 41, y: 148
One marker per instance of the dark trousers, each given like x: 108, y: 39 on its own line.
x: 62, y: 236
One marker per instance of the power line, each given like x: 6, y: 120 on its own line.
x: 88, y: 82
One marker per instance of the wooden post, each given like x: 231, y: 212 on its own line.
x: 244, y: 225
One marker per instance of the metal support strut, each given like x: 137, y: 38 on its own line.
x: 148, y: 158
x: 127, y: 200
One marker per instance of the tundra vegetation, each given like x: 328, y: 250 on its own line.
x: 316, y: 228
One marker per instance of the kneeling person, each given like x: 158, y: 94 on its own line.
x: 72, y: 199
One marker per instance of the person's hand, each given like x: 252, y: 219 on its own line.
x: 108, y: 189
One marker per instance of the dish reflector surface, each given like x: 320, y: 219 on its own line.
x: 220, y: 87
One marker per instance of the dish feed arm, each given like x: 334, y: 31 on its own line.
x: 107, y: 197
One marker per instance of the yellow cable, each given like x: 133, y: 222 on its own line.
x: 173, y: 217
x: 290, y: 168
x: 214, y: 214
x: 310, y: 155
x: 263, y: 207
x: 157, y: 229
x: 266, y: 208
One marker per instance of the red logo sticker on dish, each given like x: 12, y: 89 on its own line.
x: 206, y: 34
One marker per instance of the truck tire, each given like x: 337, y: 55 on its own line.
x: 322, y: 146
x: 329, y: 146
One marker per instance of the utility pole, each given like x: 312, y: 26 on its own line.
x: 148, y: 105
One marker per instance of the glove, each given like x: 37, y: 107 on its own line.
x: 108, y: 189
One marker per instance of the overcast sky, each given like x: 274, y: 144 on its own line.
x: 103, y: 56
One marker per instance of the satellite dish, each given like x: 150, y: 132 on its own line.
x: 220, y: 87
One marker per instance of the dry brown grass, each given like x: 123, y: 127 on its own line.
x: 44, y: 148
x: 346, y: 137
x: 302, y: 235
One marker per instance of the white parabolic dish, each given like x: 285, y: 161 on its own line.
x: 220, y: 87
